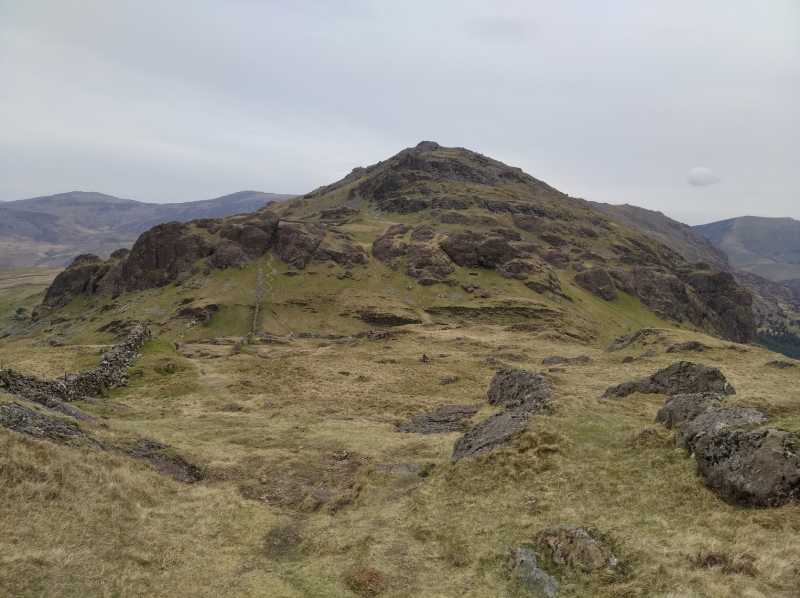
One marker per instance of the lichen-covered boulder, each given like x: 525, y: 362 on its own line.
x: 759, y: 468
x: 517, y: 388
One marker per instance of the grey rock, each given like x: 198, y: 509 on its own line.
x: 449, y: 418
x: 526, y: 572
x: 517, y: 388
x: 576, y: 548
x: 679, y: 378
x: 713, y: 421
x: 558, y: 360
x: 491, y: 433
x: 758, y: 468
x: 681, y: 409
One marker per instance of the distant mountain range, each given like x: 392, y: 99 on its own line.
x: 768, y: 247
x: 51, y: 230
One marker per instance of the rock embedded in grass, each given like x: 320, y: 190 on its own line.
x: 525, y: 571
x: 558, y: 360
x: 679, y: 378
x: 579, y: 549
x: 448, y: 418
x: 491, y: 433
x: 756, y: 468
x: 518, y: 388
x: 715, y: 420
x: 682, y: 408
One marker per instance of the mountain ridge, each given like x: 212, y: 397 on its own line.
x: 51, y: 230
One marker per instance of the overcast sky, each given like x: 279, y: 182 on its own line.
x: 688, y: 107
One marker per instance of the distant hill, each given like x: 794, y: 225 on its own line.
x: 51, y: 230
x: 769, y: 247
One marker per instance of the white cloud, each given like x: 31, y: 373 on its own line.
x: 700, y: 176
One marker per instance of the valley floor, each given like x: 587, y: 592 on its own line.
x: 310, y: 491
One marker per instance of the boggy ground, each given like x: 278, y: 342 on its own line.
x: 309, y: 490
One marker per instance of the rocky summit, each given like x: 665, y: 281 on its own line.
x: 457, y: 211
x: 437, y: 376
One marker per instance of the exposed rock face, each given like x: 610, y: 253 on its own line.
x: 679, y: 378
x: 428, y: 264
x: 576, y: 548
x: 449, y: 418
x: 298, y: 243
x: 709, y: 299
x: 159, y: 256
x: 512, y: 388
x: 81, y: 277
x: 599, y: 282
x: 751, y: 468
x: 526, y: 572
x: 472, y: 250
x: 387, y: 246
x: 386, y: 319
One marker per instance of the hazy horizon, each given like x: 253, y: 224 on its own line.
x: 687, y: 109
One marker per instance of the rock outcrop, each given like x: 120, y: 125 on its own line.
x: 743, y: 462
x: 522, y: 394
x: 679, y: 378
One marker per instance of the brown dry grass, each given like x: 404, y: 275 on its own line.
x: 311, y: 436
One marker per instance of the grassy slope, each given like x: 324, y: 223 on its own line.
x: 272, y: 420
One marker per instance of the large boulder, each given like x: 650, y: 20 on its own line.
x: 517, y: 388
x: 759, y: 468
x: 679, y: 378
x: 714, y: 420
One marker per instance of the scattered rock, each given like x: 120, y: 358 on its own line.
x: 679, y: 378
x: 714, y: 420
x: 758, y: 468
x: 449, y: 418
x: 200, y: 314
x: 681, y: 409
x: 526, y: 572
x: 517, y: 388
x: 492, y: 432
x: 557, y: 360
x: 448, y: 380
x: 577, y: 549
x: 688, y: 346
